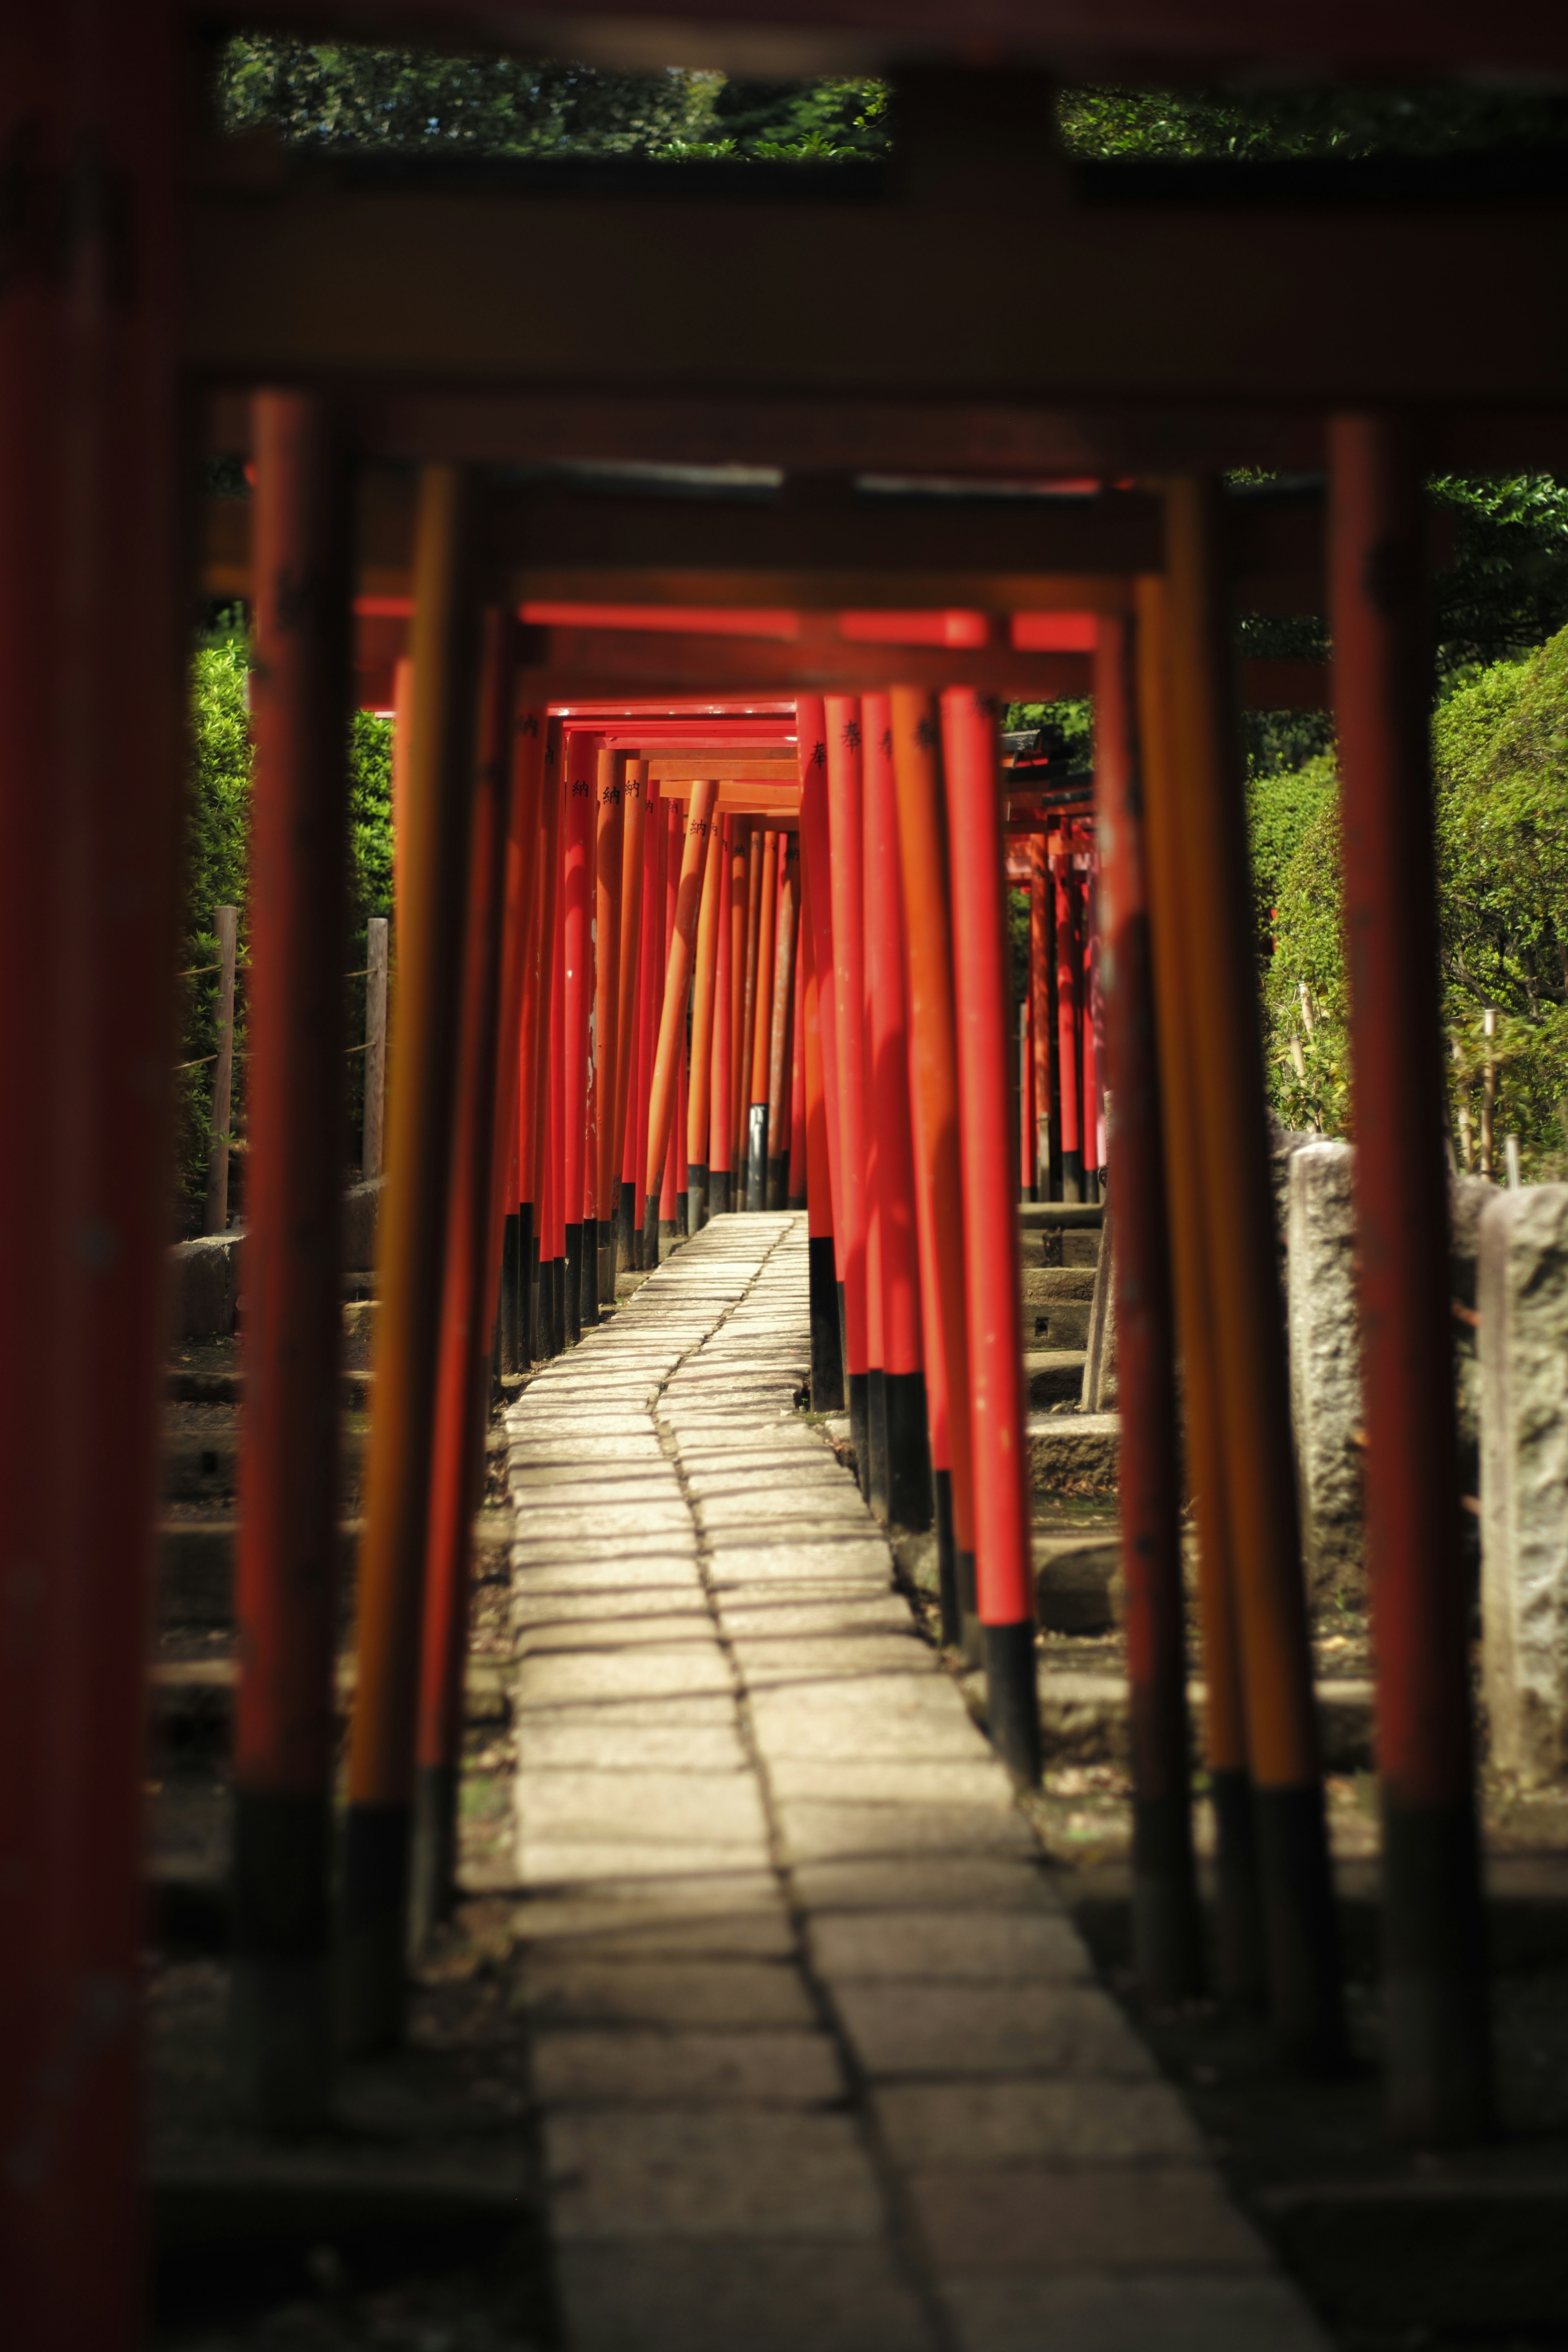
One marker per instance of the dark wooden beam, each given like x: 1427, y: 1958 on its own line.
x: 1177, y: 312
x: 1059, y: 553
x: 1328, y: 38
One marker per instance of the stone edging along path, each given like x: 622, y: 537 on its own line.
x: 817, y: 2050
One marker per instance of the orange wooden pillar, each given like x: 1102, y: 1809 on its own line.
x: 628, y: 1021
x: 1238, y: 1923
x: 439, y: 798
x: 462, y: 1395
x: 286, y: 1578
x: 577, y: 846
x: 509, y: 1274
x: 669, y: 1058
x: 649, y: 986
x: 939, y: 1181
x: 1166, y: 1926
x: 722, y: 1073
x: 742, y: 849
x: 530, y: 1090
x: 1041, y: 942
x: 776, y: 1192
x: 548, y: 1075
x: 556, y: 1124
x: 909, y: 1502
x: 704, y: 978
x: 1068, y: 1087
x: 846, y: 882
x: 1004, y: 1562
x: 609, y: 888
x: 746, y: 987
x: 1436, y: 2045
x: 827, y: 1364
x: 1209, y: 865
x: 760, y: 1041
x: 796, y: 1166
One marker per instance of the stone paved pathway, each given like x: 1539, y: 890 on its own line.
x: 819, y: 2055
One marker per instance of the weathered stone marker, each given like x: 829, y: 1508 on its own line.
x: 1325, y: 1365
x: 1523, y: 1303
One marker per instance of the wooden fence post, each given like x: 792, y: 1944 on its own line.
x: 374, y: 1045
x: 225, y: 923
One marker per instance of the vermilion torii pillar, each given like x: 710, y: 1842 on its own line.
x: 1206, y: 817
x: 287, y: 1569
x: 462, y: 1393
x: 845, y: 884
x: 439, y: 799
x: 1437, y: 2048
x: 904, y: 1389
x: 1004, y: 1559
x: 1166, y: 1923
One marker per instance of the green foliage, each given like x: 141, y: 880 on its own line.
x: 217, y: 844
x: 1282, y: 804
x: 415, y: 101
x: 217, y: 875
x: 332, y: 94
x: 1500, y: 744
x: 1260, y: 125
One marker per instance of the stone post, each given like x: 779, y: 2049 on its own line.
x: 1523, y: 1295
x: 1325, y: 1366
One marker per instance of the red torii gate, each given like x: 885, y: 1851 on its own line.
x: 93, y: 338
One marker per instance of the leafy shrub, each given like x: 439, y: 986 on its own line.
x: 1500, y: 750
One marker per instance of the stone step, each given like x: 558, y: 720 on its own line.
x: 1050, y: 1248
x: 195, y: 1562
x: 1053, y: 1376
x: 1046, y: 1286
x: 192, y: 1691
x: 204, y: 1375
x: 201, y: 1462
x: 1074, y: 1582
x: 1077, y: 1453
x: 1084, y: 1717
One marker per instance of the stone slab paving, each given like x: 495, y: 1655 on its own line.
x: 819, y: 2053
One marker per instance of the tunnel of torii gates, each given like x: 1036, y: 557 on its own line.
x: 558, y: 1035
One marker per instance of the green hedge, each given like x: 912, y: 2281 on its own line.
x: 217, y: 875
x: 1499, y: 756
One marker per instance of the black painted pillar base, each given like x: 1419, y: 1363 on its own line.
x: 1012, y: 1699
x: 826, y: 1363
x: 574, y: 1300
x: 1300, y: 1928
x: 1436, y: 2040
x: 695, y: 1197
x: 910, y: 1497
x: 720, y: 1194
x: 970, y: 1633
x: 1072, y: 1176
x: 628, y: 1255
x: 373, y: 1943
x: 757, y: 1156
x: 508, y: 1345
x: 876, y: 1439
x: 777, y: 1191
x: 1167, y: 1923
x: 433, y: 1867
x: 859, y: 1430
x: 651, y: 1230
x: 946, y: 1559
x: 588, y: 1276
x: 532, y: 1349
x: 556, y: 1334
x: 796, y: 1204
x: 683, y: 1225
x: 1239, y: 1922
x: 281, y: 1986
